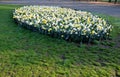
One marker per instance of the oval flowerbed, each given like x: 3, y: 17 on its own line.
x: 69, y: 24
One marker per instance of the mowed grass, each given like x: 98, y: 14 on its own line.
x: 24, y: 53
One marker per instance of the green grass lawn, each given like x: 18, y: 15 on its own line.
x: 24, y: 53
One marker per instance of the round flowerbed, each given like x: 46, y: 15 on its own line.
x: 69, y: 24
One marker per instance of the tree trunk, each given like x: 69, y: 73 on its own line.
x: 115, y: 1
x: 109, y: 0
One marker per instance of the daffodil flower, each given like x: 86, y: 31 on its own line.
x: 64, y: 20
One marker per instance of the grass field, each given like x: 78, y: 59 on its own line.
x: 29, y: 54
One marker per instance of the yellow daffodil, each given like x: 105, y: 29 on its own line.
x: 49, y: 29
x: 88, y: 20
x: 44, y: 21
x: 93, y: 32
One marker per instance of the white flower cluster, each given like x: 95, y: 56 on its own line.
x: 63, y: 20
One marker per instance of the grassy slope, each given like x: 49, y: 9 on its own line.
x: 29, y: 54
